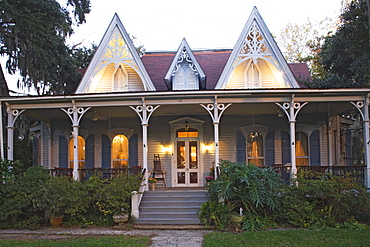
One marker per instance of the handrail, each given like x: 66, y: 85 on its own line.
x: 137, y: 196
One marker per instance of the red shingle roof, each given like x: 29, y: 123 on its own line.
x: 211, y: 61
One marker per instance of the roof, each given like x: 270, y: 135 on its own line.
x: 211, y: 61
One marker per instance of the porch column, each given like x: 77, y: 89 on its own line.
x: 144, y: 112
x: 13, y: 114
x: 75, y: 114
x: 215, y: 110
x: 294, y: 108
x: 363, y: 108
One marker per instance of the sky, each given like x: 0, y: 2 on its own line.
x: 206, y: 24
x: 160, y: 25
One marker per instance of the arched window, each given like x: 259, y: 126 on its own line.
x: 252, y: 76
x: 81, y: 153
x: 185, y: 78
x: 120, y: 151
x: 301, y: 149
x: 120, y: 80
x: 255, y: 149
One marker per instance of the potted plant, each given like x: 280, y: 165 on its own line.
x: 55, y: 201
x: 152, y: 182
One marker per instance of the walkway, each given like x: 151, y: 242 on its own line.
x: 160, y: 238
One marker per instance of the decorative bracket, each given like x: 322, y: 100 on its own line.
x: 359, y: 105
x: 296, y: 108
x: 215, y: 115
x: 144, y: 112
x: 75, y: 113
x: 15, y: 113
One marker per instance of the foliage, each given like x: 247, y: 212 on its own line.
x: 242, y: 187
x: 283, y: 237
x: 112, y: 241
x: 345, y: 56
x: 324, y: 201
x: 21, y: 199
x: 34, y: 43
x: 214, y: 213
x: 10, y: 170
x: 114, y: 196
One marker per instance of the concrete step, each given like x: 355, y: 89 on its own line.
x: 171, y: 207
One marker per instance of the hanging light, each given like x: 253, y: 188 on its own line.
x: 186, y: 126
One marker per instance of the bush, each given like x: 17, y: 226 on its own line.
x: 324, y: 201
x: 249, y: 188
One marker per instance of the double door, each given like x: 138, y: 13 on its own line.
x: 187, y: 162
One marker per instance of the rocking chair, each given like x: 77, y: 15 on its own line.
x: 158, y: 170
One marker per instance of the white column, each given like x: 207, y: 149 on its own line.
x: 1, y: 133
x: 13, y: 114
x: 75, y: 114
x: 366, y: 127
x: 142, y: 112
x: 213, y: 110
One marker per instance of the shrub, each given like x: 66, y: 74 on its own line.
x: 324, y: 201
x: 252, y: 189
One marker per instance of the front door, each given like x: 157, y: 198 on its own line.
x: 187, y: 162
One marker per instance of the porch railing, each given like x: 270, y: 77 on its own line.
x: 358, y: 172
x: 137, y: 196
x: 85, y: 173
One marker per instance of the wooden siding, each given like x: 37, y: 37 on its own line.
x: 237, y: 79
x: 105, y: 84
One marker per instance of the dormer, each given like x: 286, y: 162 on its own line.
x: 256, y: 61
x: 185, y: 72
x: 116, y: 65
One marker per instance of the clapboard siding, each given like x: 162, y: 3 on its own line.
x: 106, y: 82
x: 237, y: 79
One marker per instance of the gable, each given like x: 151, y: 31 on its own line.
x: 116, y: 66
x: 256, y: 47
x: 185, y: 73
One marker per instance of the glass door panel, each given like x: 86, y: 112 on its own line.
x: 187, y: 162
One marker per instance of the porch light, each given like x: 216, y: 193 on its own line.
x: 166, y: 149
x: 207, y: 148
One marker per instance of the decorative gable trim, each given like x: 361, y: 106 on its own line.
x: 184, y: 54
x: 115, y: 47
x: 256, y: 42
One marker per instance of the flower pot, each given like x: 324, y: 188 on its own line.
x: 120, y: 219
x: 56, y: 221
x: 152, y: 186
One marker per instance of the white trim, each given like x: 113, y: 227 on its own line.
x: 276, y: 53
x: 115, y: 24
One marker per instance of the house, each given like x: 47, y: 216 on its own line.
x: 193, y: 108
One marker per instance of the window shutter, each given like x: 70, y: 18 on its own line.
x: 285, y: 145
x: 89, y: 149
x: 106, y: 153
x: 315, y: 148
x: 240, y: 148
x: 35, y: 151
x: 133, y: 151
x: 63, y: 152
x: 270, y: 149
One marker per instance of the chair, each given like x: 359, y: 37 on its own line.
x: 158, y: 170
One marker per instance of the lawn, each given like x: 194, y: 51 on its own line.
x: 111, y: 241
x: 295, y: 238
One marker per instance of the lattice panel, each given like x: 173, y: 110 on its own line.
x: 116, y: 52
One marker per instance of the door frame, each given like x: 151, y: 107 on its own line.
x: 179, y: 124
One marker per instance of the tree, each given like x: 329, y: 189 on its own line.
x: 32, y: 38
x: 345, y: 56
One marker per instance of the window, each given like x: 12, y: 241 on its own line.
x: 301, y: 149
x: 120, y: 151
x: 255, y: 149
x: 185, y: 78
x: 120, y: 80
x: 187, y: 132
x: 81, y: 153
x: 252, y: 76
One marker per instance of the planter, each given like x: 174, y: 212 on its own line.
x: 120, y: 219
x: 55, y: 221
x: 152, y: 186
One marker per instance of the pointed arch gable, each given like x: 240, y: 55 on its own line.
x: 116, y: 47
x: 185, y: 55
x: 256, y: 42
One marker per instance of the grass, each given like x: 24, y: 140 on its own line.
x: 111, y: 241
x: 295, y: 238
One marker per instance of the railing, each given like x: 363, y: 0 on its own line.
x: 85, y: 173
x: 137, y: 196
x: 358, y: 172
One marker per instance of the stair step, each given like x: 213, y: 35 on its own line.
x: 168, y: 215
x: 159, y: 209
x: 168, y: 221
